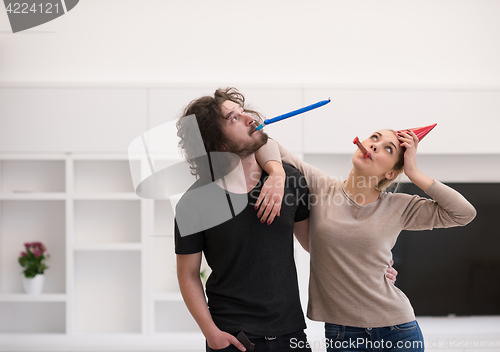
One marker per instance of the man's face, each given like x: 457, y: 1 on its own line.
x: 239, y: 129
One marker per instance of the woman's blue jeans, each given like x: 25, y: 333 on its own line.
x: 405, y: 337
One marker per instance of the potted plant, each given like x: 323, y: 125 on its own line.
x: 33, y: 259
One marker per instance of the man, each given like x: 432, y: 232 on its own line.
x: 253, y: 286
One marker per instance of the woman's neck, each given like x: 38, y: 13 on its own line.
x: 361, y: 188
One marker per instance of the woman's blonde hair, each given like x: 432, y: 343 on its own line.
x: 399, y: 167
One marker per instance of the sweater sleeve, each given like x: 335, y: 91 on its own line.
x: 447, y: 208
x: 272, y: 150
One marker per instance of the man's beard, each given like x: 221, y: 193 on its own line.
x: 251, y: 147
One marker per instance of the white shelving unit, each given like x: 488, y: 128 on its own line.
x: 32, y: 208
x: 112, y: 269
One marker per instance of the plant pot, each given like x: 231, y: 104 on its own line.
x: 33, y: 286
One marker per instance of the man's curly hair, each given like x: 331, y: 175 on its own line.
x: 209, y: 117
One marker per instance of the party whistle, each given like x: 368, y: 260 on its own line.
x: 365, y: 152
x: 292, y: 113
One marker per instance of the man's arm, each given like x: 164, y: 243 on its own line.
x: 188, y: 275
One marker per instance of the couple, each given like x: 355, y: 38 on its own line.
x: 253, y: 286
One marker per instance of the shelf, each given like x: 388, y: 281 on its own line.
x: 164, y: 219
x: 33, y: 156
x: 106, y: 196
x: 183, y: 321
x: 107, y: 246
x: 107, y: 221
x: 19, y: 317
x: 107, y: 292
x: 103, y: 176
x: 32, y: 176
x: 101, y: 236
x: 32, y: 221
x: 33, y: 196
x: 164, y: 270
x: 23, y: 297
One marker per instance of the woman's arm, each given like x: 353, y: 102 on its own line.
x: 269, y: 158
x: 315, y: 178
x: 448, y: 207
x: 271, y: 194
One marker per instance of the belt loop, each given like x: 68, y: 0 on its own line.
x: 270, y: 338
x: 342, y: 333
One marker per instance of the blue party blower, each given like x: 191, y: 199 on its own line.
x: 292, y: 113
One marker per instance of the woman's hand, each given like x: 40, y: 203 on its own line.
x: 391, y: 273
x: 271, y: 196
x: 409, y: 140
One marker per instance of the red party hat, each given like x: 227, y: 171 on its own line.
x: 421, y: 132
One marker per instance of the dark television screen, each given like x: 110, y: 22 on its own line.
x: 455, y: 270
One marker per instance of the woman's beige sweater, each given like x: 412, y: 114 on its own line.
x: 350, y: 244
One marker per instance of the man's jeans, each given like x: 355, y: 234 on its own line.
x: 403, y: 337
x: 295, y: 342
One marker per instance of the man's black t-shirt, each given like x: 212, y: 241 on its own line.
x: 253, y: 285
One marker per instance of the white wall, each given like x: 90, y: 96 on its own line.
x: 109, y: 70
x: 339, y: 42
x: 96, y: 119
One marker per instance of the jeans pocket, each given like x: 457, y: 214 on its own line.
x: 412, y: 325
x: 333, y: 331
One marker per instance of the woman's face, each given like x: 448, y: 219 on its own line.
x: 384, y: 148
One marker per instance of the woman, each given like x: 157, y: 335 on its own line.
x: 353, y: 226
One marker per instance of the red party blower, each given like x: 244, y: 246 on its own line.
x: 365, y: 152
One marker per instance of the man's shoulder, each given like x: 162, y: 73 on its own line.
x: 291, y: 170
x: 197, y: 195
x: 295, y: 178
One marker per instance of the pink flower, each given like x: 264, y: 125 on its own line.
x: 36, y: 252
x: 23, y: 254
x: 27, y: 245
x: 43, y: 248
